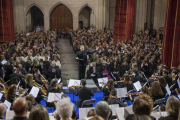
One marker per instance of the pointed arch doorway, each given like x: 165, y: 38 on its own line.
x: 61, y: 18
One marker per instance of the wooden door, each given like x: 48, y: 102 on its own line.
x: 61, y: 18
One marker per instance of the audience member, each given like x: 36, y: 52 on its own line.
x: 20, y: 109
x: 102, y: 109
x: 3, y: 109
x: 39, y: 113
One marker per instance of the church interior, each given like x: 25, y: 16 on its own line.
x: 90, y: 59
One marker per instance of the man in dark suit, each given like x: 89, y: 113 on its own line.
x: 8, y: 68
x: 114, y: 100
x: 124, y: 67
x: 17, y: 77
x: 84, y: 93
x: 81, y: 56
x: 94, y: 73
x: 167, y: 77
x: 136, y: 77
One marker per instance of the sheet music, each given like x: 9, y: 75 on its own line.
x: 59, y: 80
x: 179, y: 96
x: 120, y: 113
x: 8, y: 104
x: 10, y: 114
x: 51, y: 97
x: 34, y: 91
x: 178, y: 81
x: 168, y: 90
x: 57, y: 96
x: 121, y: 92
x: 1, y: 95
x: 157, y: 115
x: 64, y: 87
x: 163, y: 114
x: 113, y: 108
x: 128, y: 110
x: 84, y: 111
x: 137, y: 85
x: 73, y: 82
x: 92, y: 75
x: 4, y: 62
x: 104, y: 80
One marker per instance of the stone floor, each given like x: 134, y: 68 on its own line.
x: 69, y: 66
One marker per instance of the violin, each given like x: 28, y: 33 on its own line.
x: 44, y: 81
x: 75, y: 87
x: 6, y: 87
x: 120, y: 81
x: 42, y: 90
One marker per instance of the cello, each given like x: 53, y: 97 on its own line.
x: 45, y: 82
x: 42, y: 91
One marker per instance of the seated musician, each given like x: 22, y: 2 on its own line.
x: 107, y: 89
x: 167, y: 77
x: 115, y: 71
x: 104, y: 69
x: 11, y: 94
x: 84, y: 93
x: 114, y: 100
x: 54, y: 88
x: 163, y: 83
x: 127, y: 82
x: 36, y: 76
x: 136, y: 76
x: 16, y: 75
x: 156, y: 91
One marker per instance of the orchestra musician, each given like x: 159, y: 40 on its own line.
x: 83, y: 92
x: 36, y: 76
x: 115, y: 71
x: 114, y: 100
x: 163, y: 83
x: 167, y: 77
x: 11, y: 94
x: 136, y: 77
x: 156, y: 91
x: 107, y: 89
x: 54, y: 87
x: 127, y: 82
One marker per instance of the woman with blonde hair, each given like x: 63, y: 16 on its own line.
x: 39, y: 113
x: 172, y: 109
x: 29, y: 81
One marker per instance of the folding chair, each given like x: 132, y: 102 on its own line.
x: 88, y: 103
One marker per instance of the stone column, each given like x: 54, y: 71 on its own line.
x: 75, y: 21
x: 46, y: 20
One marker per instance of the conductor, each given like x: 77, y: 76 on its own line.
x: 81, y: 56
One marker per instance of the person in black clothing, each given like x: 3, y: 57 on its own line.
x: 143, y: 105
x: 156, y: 92
x: 81, y: 56
x: 107, y: 89
x: 84, y: 93
x: 127, y: 82
x: 163, y: 83
x: 115, y: 71
x: 136, y: 76
x: 52, y: 88
x: 167, y: 77
x: 14, y: 74
x: 36, y: 76
x: 94, y: 73
x: 54, y: 71
x: 124, y: 67
x: 172, y: 109
x: 161, y: 36
x: 8, y: 68
x: 114, y: 100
